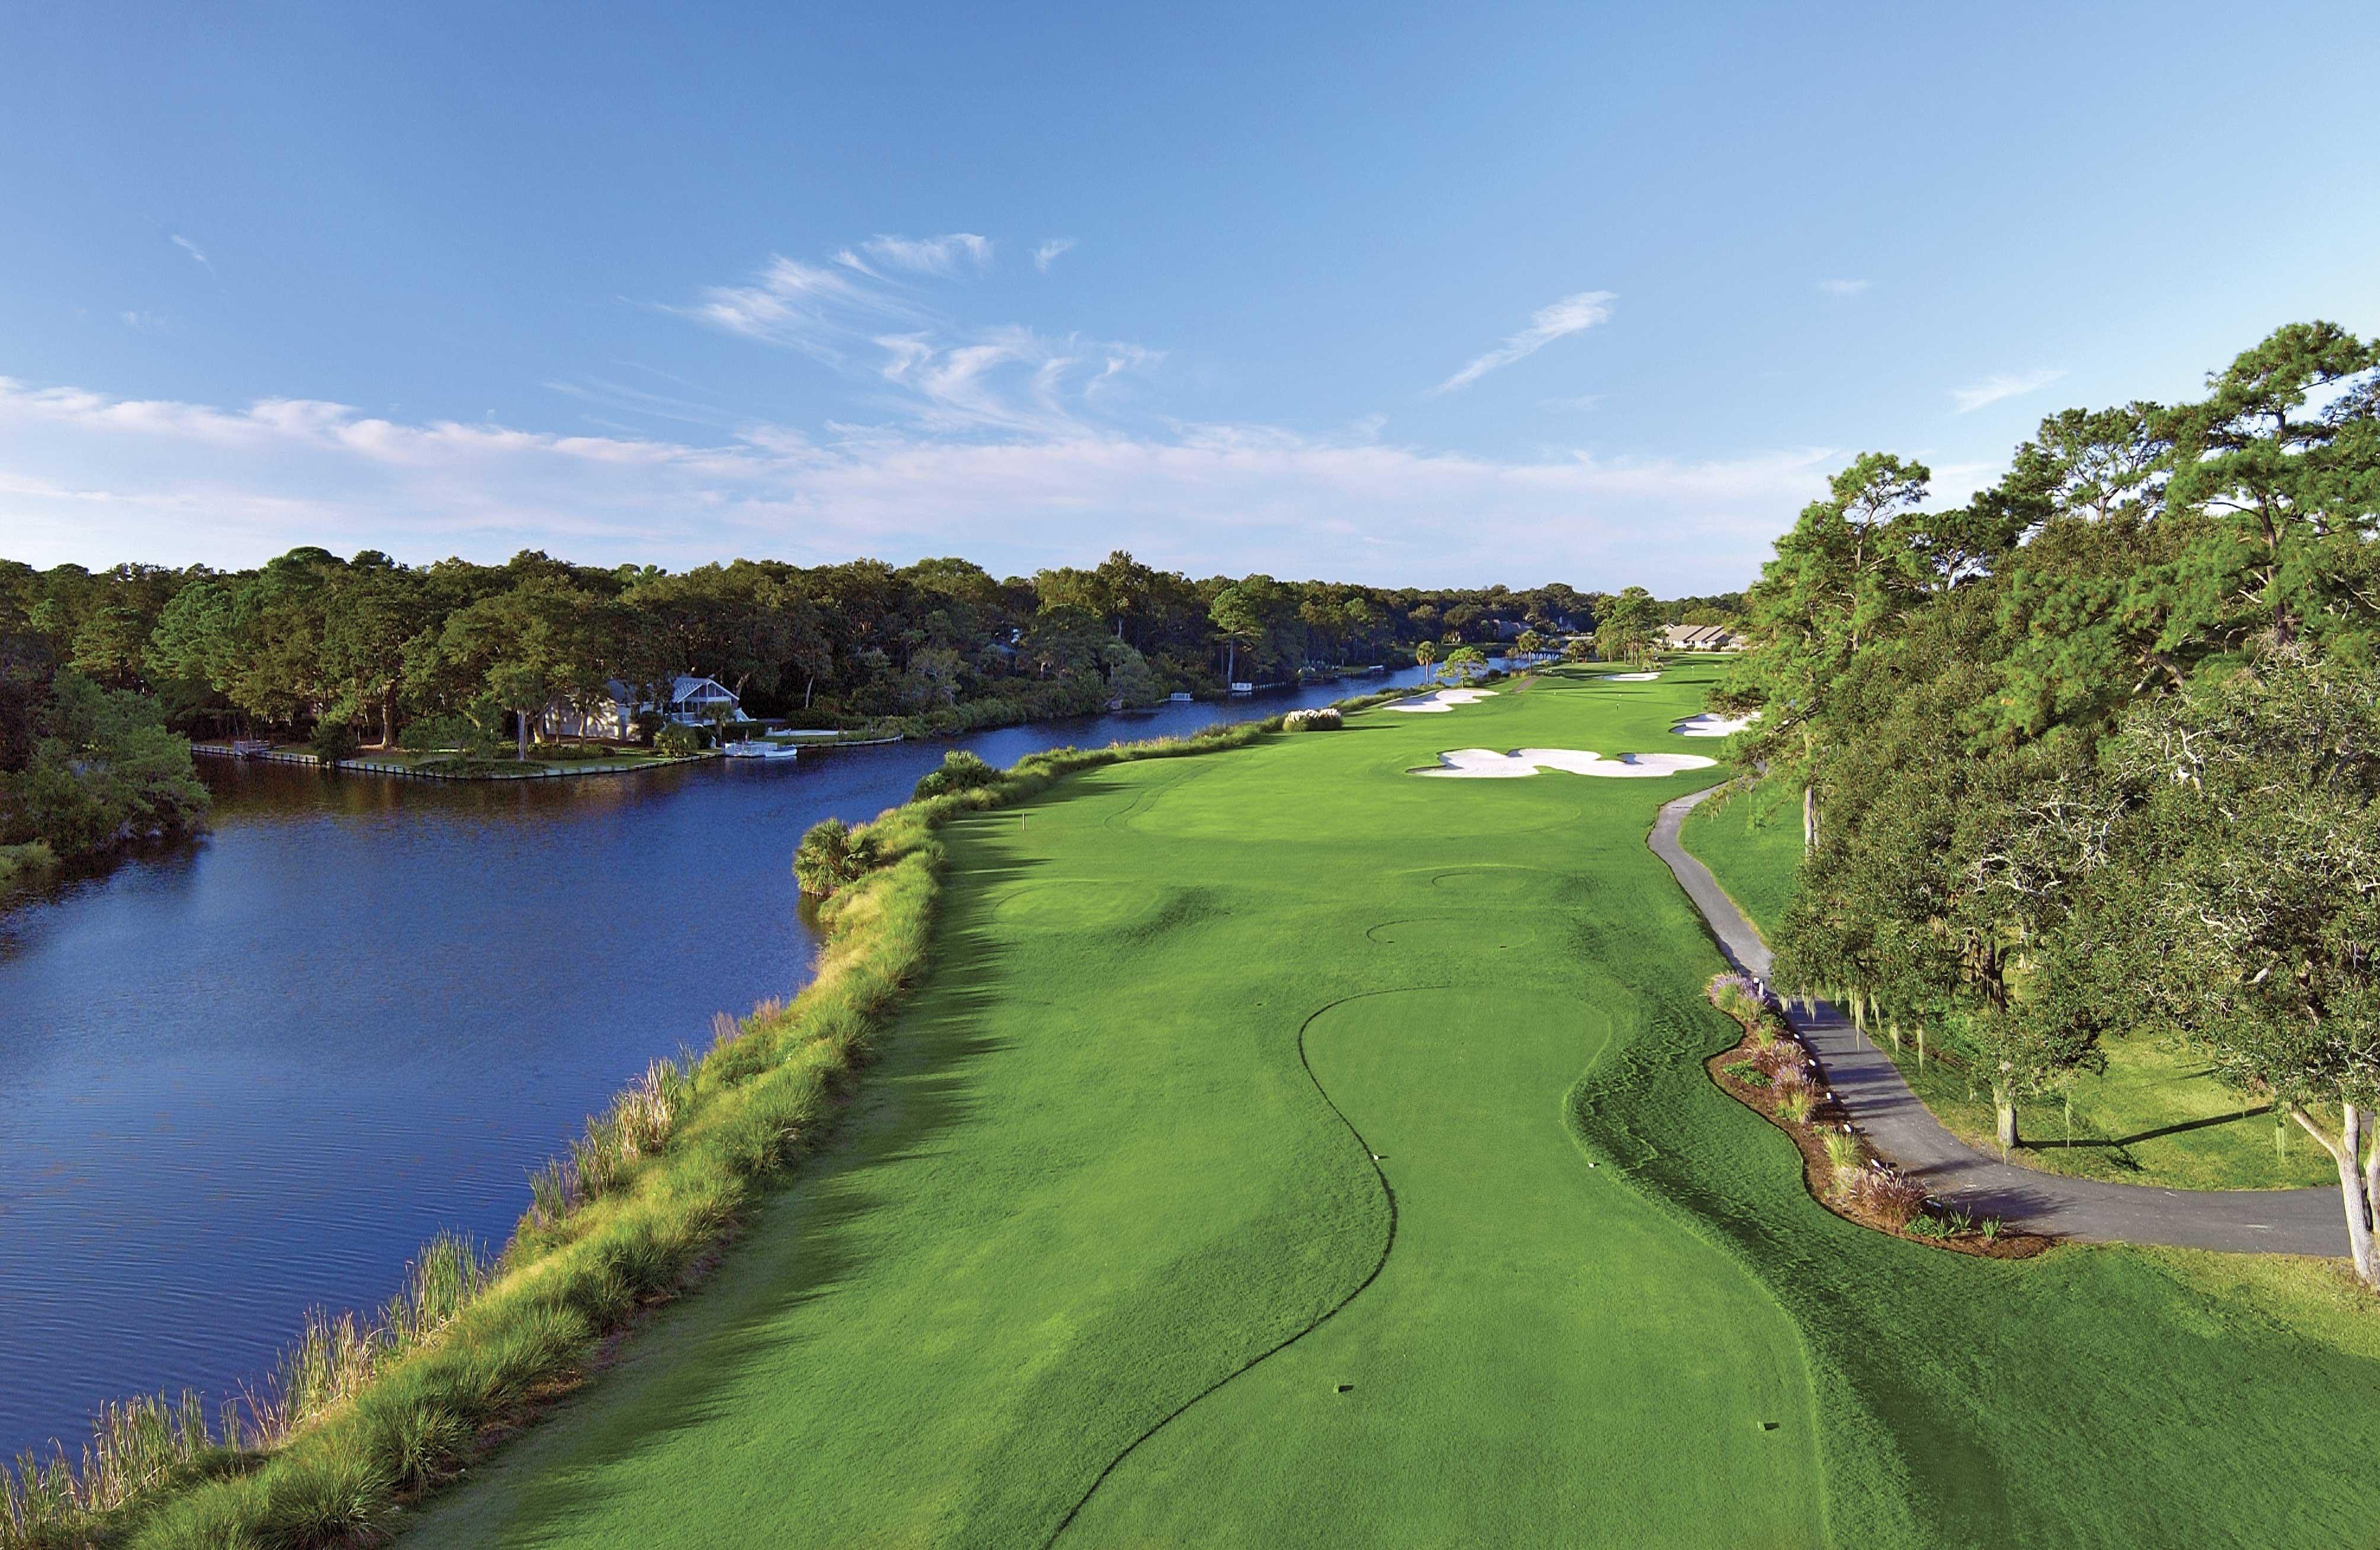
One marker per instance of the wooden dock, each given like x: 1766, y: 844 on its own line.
x: 384, y: 767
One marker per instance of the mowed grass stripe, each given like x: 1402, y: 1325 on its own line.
x: 1544, y: 1359
x: 1090, y: 1177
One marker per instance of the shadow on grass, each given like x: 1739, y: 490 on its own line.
x: 2082, y: 1143
x: 797, y: 1246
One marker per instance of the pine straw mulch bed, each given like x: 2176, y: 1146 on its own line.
x: 1818, y: 1170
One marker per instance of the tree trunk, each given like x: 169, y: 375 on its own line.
x: 2371, y: 1174
x: 388, y: 717
x: 2353, y: 1194
x: 2004, y: 1114
x: 1809, y: 817
x: 808, y: 684
x: 1231, y: 660
x: 520, y: 733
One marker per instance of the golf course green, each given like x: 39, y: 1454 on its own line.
x: 1287, y: 1149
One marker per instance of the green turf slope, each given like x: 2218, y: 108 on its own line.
x: 1104, y: 1229
x: 1092, y: 1177
x: 1544, y: 1360
x: 1752, y: 842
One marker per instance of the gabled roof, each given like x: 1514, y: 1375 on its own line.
x: 682, y: 688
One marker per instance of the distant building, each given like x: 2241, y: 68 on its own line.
x: 1699, y: 637
x: 690, y: 704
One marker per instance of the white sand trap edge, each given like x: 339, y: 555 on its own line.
x: 1708, y: 725
x: 1485, y: 764
x: 1442, y: 701
x: 1629, y: 677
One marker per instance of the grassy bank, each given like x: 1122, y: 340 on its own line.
x: 369, y: 1415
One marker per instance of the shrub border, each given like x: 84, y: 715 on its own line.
x: 1817, y: 1170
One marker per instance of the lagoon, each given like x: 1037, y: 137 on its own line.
x: 252, y: 1074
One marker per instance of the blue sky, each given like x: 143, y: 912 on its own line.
x: 1395, y: 293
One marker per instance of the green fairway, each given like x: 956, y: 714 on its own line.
x: 1105, y: 1230
x: 1542, y: 1349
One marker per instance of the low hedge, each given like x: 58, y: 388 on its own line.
x: 482, y: 769
x: 389, y: 1411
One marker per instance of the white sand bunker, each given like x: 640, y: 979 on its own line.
x: 1445, y: 699
x: 1485, y: 764
x: 1708, y: 725
x: 1629, y: 677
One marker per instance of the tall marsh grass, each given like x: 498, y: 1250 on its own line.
x: 144, y: 1447
x: 366, y: 1413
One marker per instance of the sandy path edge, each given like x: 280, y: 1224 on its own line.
x: 2307, y: 1221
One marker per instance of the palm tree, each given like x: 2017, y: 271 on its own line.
x: 1425, y: 654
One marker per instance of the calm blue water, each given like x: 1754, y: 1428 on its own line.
x: 254, y: 1074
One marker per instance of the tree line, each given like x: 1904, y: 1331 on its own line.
x: 95, y: 667
x: 2096, y: 754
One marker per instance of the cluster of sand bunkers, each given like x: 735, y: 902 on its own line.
x: 1441, y: 702
x: 1486, y: 764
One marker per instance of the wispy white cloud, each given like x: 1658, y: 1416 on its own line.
x: 187, y: 246
x: 1051, y: 251
x: 95, y: 479
x: 939, y: 375
x: 143, y: 320
x: 2003, y: 384
x: 1843, y: 288
x: 1571, y: 315
x: 800, y: 304
x: 925, y: 255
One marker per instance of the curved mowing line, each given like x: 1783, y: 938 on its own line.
x: 1147, y: 788
x: 1388, y: 1191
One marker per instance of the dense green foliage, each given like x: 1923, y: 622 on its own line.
x: 830, y: 857
x: 2142, y: 660
x: 87, y: 769
x: 960, y: 771
x: 360, y: 647
x: 2156, y: 1115
x: 1120, y: 1146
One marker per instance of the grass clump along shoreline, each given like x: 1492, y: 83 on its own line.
x: 367, y: 1414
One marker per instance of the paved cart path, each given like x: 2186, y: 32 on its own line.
x: 2307, y: 1221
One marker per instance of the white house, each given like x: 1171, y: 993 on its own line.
x: 691, y: 703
